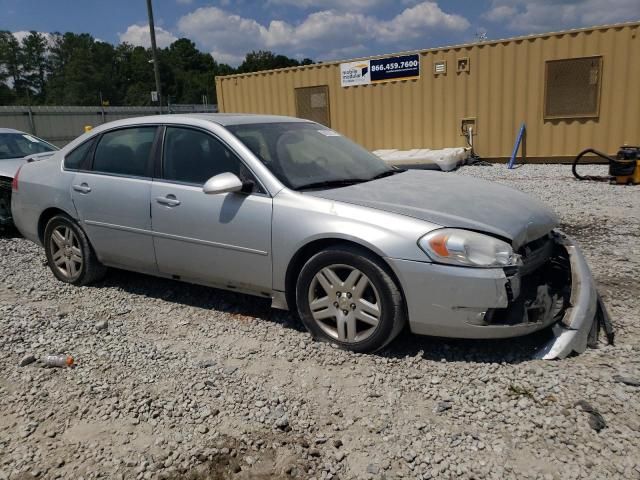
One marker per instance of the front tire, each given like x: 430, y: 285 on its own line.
x: 69, y: 254
x: 347, y: 296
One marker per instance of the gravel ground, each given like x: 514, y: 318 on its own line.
x: 180, y: 381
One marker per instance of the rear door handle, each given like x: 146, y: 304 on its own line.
x: 82, y: 188
x: 169, y: 200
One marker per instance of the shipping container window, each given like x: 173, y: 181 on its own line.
x: 312, y: 103
x: 572, y: 87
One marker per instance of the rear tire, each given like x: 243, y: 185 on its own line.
x: 69, y: 254
x: 347, y: 296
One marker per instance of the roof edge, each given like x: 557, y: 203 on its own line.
x: 634, y: 23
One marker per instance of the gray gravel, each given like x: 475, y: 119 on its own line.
x: 176, y: 380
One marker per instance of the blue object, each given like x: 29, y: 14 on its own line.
x: 512, y: 160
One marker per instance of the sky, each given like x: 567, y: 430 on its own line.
x: 319, y: 29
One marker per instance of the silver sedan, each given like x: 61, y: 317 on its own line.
x: 290, y: 210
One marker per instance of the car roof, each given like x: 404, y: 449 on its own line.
x: 224, y: 119
x: 9, y: 130
x: 197, y: 119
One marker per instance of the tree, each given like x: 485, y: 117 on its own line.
x: 75, y: 69
x: 33, y: 59
x: 193, y: 72
x: 139, y: 81
x: 72, y: 70
x: 103, y: 57
x: 184, y: 56
x: 10, y: 68
x: 266, y: 60
x: 7, y: 95
x: 186, y: 66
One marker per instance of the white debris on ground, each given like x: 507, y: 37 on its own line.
x: 446, y: 159
x: 176, y: 381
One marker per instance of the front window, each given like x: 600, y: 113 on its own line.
x: 307, y: 155
x: 192, y: 156
x: 20, y: 145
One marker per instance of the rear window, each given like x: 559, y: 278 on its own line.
x: 125, y: 151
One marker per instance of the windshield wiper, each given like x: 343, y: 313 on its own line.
x: 388, y: 173
x: 345, y: 182
x: 332, y: 183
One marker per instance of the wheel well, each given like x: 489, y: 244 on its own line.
x: 309, y: 250
x: 45, y: 216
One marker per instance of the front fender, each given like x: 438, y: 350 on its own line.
x: 300, y: 219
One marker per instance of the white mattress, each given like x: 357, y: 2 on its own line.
x: 446, y: 159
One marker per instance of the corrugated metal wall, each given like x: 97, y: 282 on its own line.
x: 61, y: 124
x: 504, y: 86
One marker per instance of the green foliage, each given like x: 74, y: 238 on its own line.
x: 7, y: 95
x: 266, y: 60
x: 75, y: 69
x: 33, y: 63
x: 10, y: 60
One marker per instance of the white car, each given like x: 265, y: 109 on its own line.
x: 16, y: 149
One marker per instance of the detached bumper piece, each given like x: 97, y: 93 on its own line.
x: 585, y: 313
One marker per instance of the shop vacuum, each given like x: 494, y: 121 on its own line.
x: 623, y: 170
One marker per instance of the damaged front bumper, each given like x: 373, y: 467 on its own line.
x: 553, y: 288
x: 571, y: 333
x: 5, y: 201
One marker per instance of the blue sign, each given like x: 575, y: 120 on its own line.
x: 394, y: 68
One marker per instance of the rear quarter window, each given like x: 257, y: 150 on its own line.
x: 75, y: 160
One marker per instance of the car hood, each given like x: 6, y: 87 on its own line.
x: 9, y: 166
x: 453, y: 201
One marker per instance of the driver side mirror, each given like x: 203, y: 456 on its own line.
x: 222, y: 183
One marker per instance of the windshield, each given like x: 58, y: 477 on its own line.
x: 18, y: 145
x: 309, y: 155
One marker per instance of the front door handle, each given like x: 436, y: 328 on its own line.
x: 82, y: 188
x: 169, y: 200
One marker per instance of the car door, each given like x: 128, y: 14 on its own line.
x: 221, y: 239
x: 113, y: 195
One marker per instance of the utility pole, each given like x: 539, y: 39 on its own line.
x: 156, y: 66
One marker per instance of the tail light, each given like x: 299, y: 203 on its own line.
x: 14, y: 182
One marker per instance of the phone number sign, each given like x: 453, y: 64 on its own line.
x: 366, y: 72
x: 395, y: 68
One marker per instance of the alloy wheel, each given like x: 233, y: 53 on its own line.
x: 66, y: 253
x: 344, y: 303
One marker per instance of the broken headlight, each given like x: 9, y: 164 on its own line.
x: 467, y: 248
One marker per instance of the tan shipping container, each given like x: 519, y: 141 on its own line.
x: 573, y: 89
